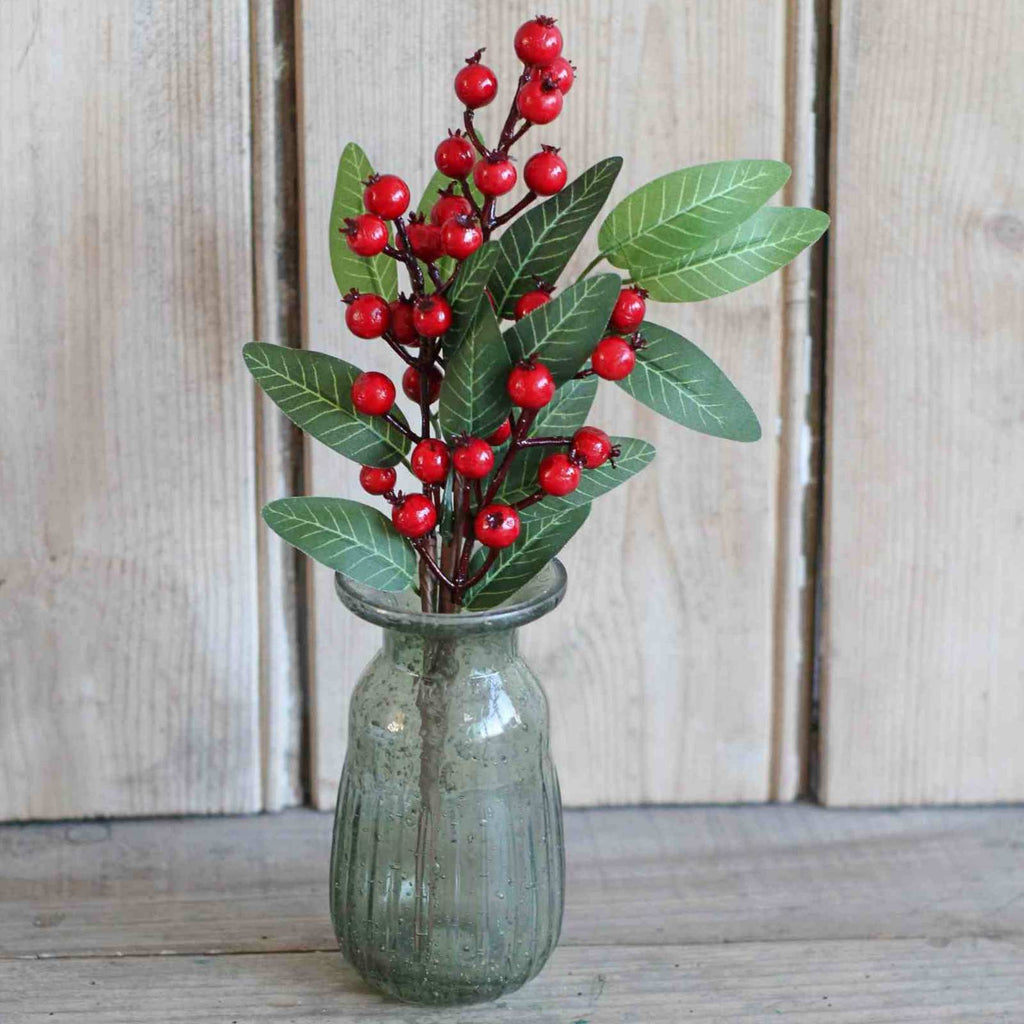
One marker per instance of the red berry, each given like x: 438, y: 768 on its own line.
x: 425, y: 241
x: 373, y: 393
x: 366, y: 234
x: 496, y: 526
x: 473, y: 458
x: 629, y: 309
x: 430, y: 460
x: 367, y: 316
x: 540, y: 102
x: 476, y: 84
x: 592, y: 445
x: 560, y: 71
x: 455, y: 156
x: 461, y: 236
x: 545, y: 172
x: 449, y: 206
x: 414, y: 515
x: 501, y: 435
x: 530, y: 385
x: 558, y: 474
x: 386, y: 195
x: 613, y: 358
x: 377, y: 480
x: 431, y: 316
x: 531, y: 301
x: 411, y: 384
x: 495, y: 177
x: 402, y: 328
x: 538, y: 41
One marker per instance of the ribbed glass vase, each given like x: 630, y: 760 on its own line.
x: 447, y: 873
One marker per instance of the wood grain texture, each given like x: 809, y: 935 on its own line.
x: 128, y: 611
x: 659, y: 664
x: 923, y: 697
x: 275, y: 213
x: 970, y: 981
x: 693, y: 876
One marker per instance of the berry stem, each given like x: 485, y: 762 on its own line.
x: 426, y: 556
x: 492, y: 554
x: 532, y: 499
x: 401, y: 427
x: 405, y: 254
x: 467, y: 193
x: 539, y: 442
x: 514, y: 210
x: 593, y: 263
x: 467, y: 120
x: 522, y: 426
x: 396, y: 346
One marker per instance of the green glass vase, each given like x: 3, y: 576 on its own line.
x: 448, y: 867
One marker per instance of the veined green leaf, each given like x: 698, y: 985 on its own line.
x: 473, y: 396
x: 313, y: 390
x: 759, y: 246
x: 593, y: 482
x: 352, y: 538
x: 540, y: 243
x: 377, y: 274
x: 684, y: 210
x: 563, y: 332
x: 563, y: 415
x: 467, y: 295
x: 539, y: 541
x: 674, y: 378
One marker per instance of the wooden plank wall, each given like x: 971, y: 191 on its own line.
x: 151, y: 634
x: 128, y: 609
x: 923, y: 697
x: 659, y: 665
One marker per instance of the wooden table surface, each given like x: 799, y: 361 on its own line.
x: 672, y: 915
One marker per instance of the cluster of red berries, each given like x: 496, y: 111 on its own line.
x: 457, y: 226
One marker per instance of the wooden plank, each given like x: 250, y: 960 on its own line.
x: 659, y: 665
x: 693, y: 876
x: 924, y: 638
x: 973, y: 981
x: 275, y: 208
x: 128, y: 609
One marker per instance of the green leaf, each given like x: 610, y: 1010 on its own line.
x: 674, y: 378
x: 313, y: 390
x: 759, y: 246
x: 467, y: 295
x: 473, y: 396
x: 540, y: 243
x: 684, y: 210
x: 563, y: 332
x: 564, y: 414
x: 593, y: 482
x: 379, y: 274
x: 356, y: 540
x: 539, y: 541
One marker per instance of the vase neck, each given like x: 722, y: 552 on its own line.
x: 493, y: 647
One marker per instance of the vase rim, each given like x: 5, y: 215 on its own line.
x: 396, y: 610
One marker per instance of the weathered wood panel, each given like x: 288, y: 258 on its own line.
x: 679, y: 876
x: 659, y: 665
x: 969, y: 981
x: 128, y: 609
x: 923, y: 694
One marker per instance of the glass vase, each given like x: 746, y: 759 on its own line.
x: 447, y: 870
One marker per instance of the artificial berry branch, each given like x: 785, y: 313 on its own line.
x: 456, y: 356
